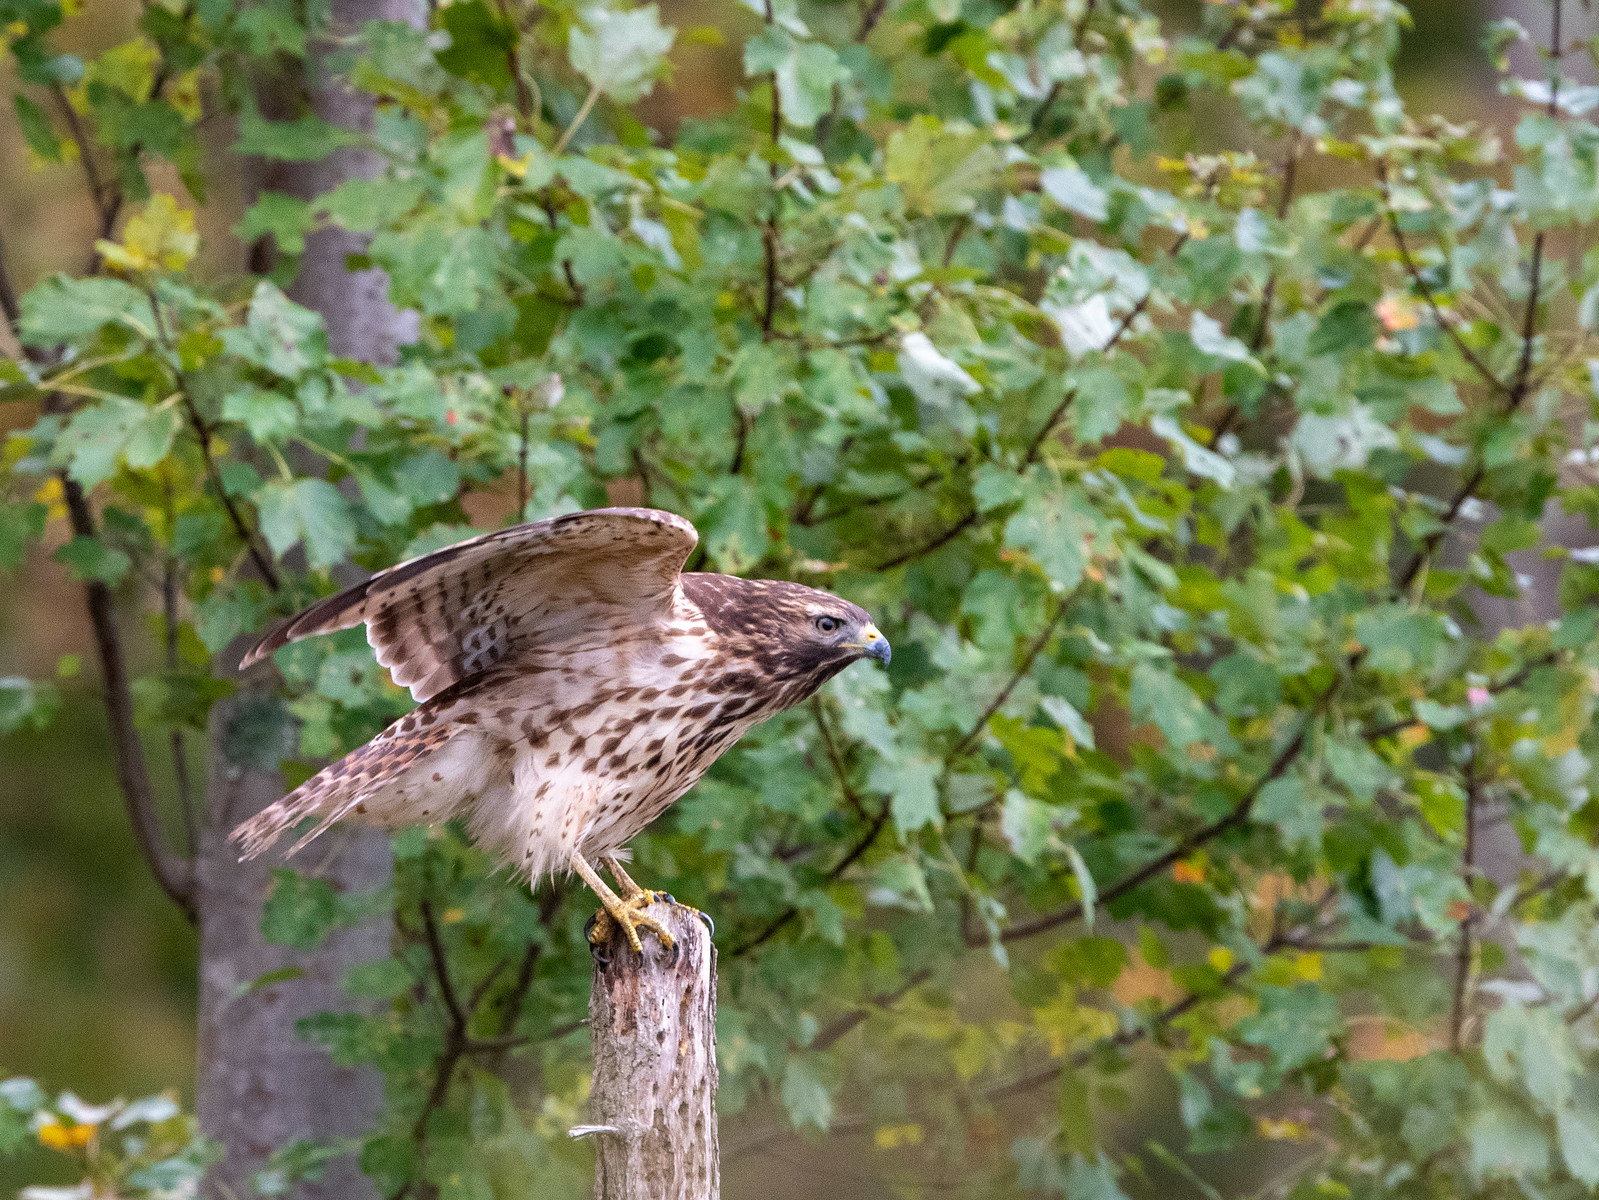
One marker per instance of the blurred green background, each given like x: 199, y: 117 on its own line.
x: 97, y: 969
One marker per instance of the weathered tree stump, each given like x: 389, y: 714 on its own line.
x: 653, y: 1019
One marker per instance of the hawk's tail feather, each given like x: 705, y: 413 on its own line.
x: 339, y: 788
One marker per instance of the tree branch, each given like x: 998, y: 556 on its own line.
x: 1465, y: 949
x: 843, y: 864
x: 202, y: 435
x: 1033, y: 651
x: 1202, y: 836
x: 850, y: 1020
x: 173, y: 874
x: 1427, y: 294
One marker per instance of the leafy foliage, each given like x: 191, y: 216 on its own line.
x: 1179, y: 485
x: 146, y: 1148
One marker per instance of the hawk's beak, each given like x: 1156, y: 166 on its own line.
x: 876, y: 645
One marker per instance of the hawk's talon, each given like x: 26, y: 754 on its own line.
x: 631, y: 916
x: 597, y: 950
x: 710, y: 925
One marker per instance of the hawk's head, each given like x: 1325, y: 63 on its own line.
x: 792, y: 632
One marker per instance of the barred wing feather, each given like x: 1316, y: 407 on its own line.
x: 444, y: 617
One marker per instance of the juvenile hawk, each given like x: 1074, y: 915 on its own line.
x: 572, y: 683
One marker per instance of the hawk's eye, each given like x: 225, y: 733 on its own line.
x: 828, y: 624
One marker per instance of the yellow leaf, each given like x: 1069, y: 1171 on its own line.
x: 1221, y: 958
x: 1412, y: 736
x: 1189, y: 870
x: 454, y: 916
x: 892, y: 1137
x: 130, y: 68
x: 161, y: 237
x: 56, y: 1136
x: 1281, y: 1130
x: 1308, y: 967
x: 183, y: 93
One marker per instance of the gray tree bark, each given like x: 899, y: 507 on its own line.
x: 653, y: 1020
x: 260, y: 1086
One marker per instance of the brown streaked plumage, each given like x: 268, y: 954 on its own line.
x: 572, y: 683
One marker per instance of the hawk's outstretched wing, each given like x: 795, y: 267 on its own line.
x: 441, y: 618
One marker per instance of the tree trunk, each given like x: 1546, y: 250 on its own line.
x: 260, y: 1086
x: 653, y: 1021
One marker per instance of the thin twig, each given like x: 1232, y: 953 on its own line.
x: 173, y: 873
x: 869, y: 19
x: 1200, y: 837
x: 836, y: 760
x: 848, y: 1022
x: 1428, y: 296
x: 441, y: 967
x: 577, y: 121
x: 1464, y: 950
x: 180, y: 757
x: 843, y: 864
x: 1033, y: 651
x: 202, y: 436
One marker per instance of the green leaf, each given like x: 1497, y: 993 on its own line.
x: 90, y: 559
x: 27, y: 703
x: 312, y: 511
x: 482, y: 44
x: 299, y: 911
x: 621, y: 54
x: 268, y: 416
x: 286, y: 218
x: 941, y: 169
x: 61, y: 309
x: 279, y: 334
x: 1163, y: 700
x: 20, y: 526
x: 1578, y: 1134
x: 1072, y: 189
x: 306, y: 139
x: 37, y: 130
x: 911, y: 783
x: 1057, y: 527
x: 806, y: 1096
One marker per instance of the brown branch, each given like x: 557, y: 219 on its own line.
x: 956, y: 233
x: 1033, y: 651
x: 180, y: 757
x: 202, y: 436
x: 850, y: 1020
x: 869, y: 19
x: 937, y: 543
x: 106, y: 205
x: 1464, y: 950
x: 1200, y: 837
x: 836, y: 760
x: 174, y: 874
x: 1430, y: 298
x: 441, y: 968
x: 10, y: 307
x: 780, y: 922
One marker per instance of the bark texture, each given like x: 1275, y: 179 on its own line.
x: 260, y: 1086
x: 653, y: 1020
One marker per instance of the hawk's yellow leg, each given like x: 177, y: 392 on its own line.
x: 628, y: 913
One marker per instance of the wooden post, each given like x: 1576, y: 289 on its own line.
x: 653, y: 1020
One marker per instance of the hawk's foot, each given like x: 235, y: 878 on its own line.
x: 630, y: 916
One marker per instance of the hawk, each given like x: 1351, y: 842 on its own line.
x: 572, y: 681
